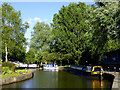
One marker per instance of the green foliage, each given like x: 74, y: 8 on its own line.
x: 30, y: 56
x: 15, y: 74
x: 69, y: 30
x: 76, y: 62
x: 6, y: 70
x: 104, y: 30
x: 79, y: 33
x: 7, y: 64
x: 9, y: 67
x: 40, y: 37
x: 92, y: 30
x: 40, y: 43
x: 13, y: 30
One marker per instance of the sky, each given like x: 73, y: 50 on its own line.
x: 32, y: 12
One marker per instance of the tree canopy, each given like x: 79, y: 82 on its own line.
x: 69, y: 29
x: 40, y: 41
x: 79, y: 34
x: 13, y: 30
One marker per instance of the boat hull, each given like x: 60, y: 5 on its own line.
x: 86, y: 74
x: 51, y: 68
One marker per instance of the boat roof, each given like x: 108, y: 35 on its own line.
x: 97, y: 66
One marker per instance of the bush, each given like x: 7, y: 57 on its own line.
x: 9, y: 66
x: 6, y: 70
x: 13, y: 68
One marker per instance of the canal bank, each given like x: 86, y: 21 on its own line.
x: 14, y: 79
x: 116, y: 81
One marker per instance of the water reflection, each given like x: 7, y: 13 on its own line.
x: 58, y: 79
x: 50, y: 70
x: 100, y: 84
x: 97, y: 83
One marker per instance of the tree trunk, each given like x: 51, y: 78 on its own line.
x: 68, y: 62
x: 6, y: 59
x: 61, y: 62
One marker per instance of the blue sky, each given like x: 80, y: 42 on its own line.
x: 32, y: 12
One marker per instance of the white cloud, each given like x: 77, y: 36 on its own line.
x: 36, y: 19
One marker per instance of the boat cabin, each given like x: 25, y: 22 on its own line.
x: 93, y: 69
x: 97, y: 70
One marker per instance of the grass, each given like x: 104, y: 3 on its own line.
x: 65, y: 66
x: 15, y: 74
x: 16, y: 65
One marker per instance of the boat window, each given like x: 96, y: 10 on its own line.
x: 89, y: 68
x: 97, y: 69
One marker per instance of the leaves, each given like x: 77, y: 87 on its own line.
x: 69, y: 27
x: 13, y: 31
x: 40, y: 41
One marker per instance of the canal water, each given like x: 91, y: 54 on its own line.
x: 58, y: 79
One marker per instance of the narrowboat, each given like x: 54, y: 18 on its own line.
x: 93, y: 70
x: 97, y: 70
x: 50, y: 67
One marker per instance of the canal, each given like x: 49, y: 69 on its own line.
x: 58, y: 79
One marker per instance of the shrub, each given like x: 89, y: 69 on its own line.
x: 7, y: 64
x: 10, y: 66
x: 13, y: 68
x: 5, y: 69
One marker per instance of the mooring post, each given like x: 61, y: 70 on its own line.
x: 100, y: 79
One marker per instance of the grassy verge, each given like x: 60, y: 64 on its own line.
x: 16, y: 65
x: 65, y: 66
x: 15, y: 74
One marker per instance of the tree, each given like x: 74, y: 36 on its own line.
x: 0, y: 33
x: 104, y: 28
x: 13, y: 31
x: 69, y: 30
x: 41, y: 39
x: 30, y: 56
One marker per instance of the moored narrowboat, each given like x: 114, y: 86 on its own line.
x: 97, y: 70
x: 50, y: 67
x: 93, y: 70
